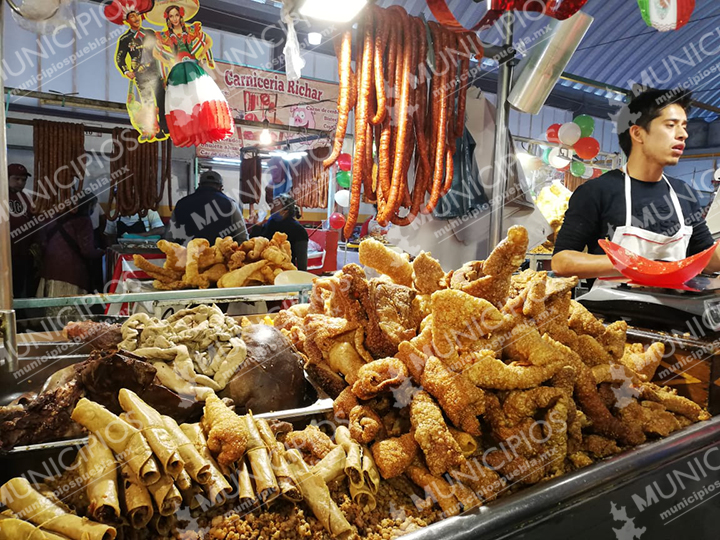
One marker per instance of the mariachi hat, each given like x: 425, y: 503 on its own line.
x: 188, y: 9
x: 118, y: 10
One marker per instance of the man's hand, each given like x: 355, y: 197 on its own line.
x: 583, y: 265
x: 714, y: 264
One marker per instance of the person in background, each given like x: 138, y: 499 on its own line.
x: 371, y: 226
x: 207, y: 213
x: 99, y: 221
x: 283, y: 218
x: 23, y: 242
x: 69, y: 246
x: 150, y: 225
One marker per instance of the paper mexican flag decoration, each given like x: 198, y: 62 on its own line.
x: 666, y: 15
x: 169, y: 91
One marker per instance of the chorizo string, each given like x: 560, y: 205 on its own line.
x: 344, y: 54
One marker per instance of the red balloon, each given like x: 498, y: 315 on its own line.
x: 587, y: 148
x: 337, y: 220
x: 552, y: 133
x: 596, y: 173
x: 344, y: 161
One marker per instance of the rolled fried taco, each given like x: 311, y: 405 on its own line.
x: 125, y: 440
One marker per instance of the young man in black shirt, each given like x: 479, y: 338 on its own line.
x: 664, y: 221
x: 283, y: 218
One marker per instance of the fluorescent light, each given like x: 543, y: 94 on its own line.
x: 227, y: 160
x: 332, y: 10
x: 314, y: 38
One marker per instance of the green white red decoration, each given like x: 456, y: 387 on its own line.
x: 174, y: 93
x: 665, y: 15
x: 576, y: 136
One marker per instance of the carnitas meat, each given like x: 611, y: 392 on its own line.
x: 46, y: 417
x: 101, y: 336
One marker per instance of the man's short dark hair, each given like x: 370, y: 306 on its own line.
x: 645, y: 108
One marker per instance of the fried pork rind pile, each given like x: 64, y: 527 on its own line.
x: 477, y: 379
x: 254, y: 262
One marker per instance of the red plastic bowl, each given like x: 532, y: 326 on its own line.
x: 656, y: 273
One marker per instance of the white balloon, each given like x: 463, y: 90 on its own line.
x: 569, y: 133
x: 342, y: 197
x: 556, y: 160
x: 589, y: 171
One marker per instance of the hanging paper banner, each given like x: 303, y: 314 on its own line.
x: 135, y: 60
x: 256, y: 95
x: 665, y: 15
x: 557, y: 9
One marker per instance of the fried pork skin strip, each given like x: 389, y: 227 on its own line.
x: 386, y: 261
x: 459, y: 398
x: 310, y: 441
x: 393, y: 456
x: 175, y: 256
x: 379, y: 376
x: 644, y: 363
x: 436, y: 488
x: 344, y: 403
x: 491, y: 279
x: 486, y: 371
x: 159, y: 273
x: 442, y: 452
x: 673, y: 402
x: 365, y: 424
x: 226, y: 432
x: 460, y: 319
x: 428, y: 275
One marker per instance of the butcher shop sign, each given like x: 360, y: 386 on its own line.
x: 256, y: 95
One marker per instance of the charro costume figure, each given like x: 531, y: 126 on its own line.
x: 134, y: 58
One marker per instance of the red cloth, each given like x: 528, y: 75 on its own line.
x: 63, y: 262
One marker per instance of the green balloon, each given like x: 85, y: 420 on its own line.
x: 586, y: 123
x: 577, y: 168
x: 344, y: 179
x: 546, y: 156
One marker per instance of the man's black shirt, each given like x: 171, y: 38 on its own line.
x: 597, y: 208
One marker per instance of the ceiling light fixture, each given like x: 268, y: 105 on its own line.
x: 265, y: 137
x: 314, y: 38
x: 332, y: 10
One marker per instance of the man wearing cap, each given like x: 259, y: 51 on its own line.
x: 207, y: 213
x: 21, y: 239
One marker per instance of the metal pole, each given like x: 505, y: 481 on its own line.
x: 7, y: 313
x: 500, y: 165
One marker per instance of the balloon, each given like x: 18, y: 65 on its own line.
x: 577, y: 168
x: 552, y: 133
x: 557, y: 161
x: 587, y: 148
x: 546, y: 155
x: 596, y: 173
x: 586, y: 123
x: 569, y: 133
x: 343, y: 179
x: 342, y: 197
x: 337, y: 221
x: 589, y: 171
x: 344, y: 161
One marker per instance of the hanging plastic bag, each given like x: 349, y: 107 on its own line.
x: 293, y: 61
